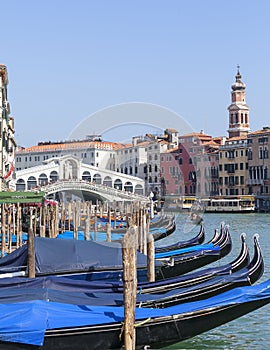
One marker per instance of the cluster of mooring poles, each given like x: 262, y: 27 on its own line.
x: 18, y: 220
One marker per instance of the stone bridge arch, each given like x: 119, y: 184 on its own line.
x: 91, y: 191
x: 70, y: 168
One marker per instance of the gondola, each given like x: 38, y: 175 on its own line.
x: 55, y: 326
x: 157, y: 234
x: 241, y: 262
x: 181, y: 262
x: 179, y: 265
x: 167, y: 230
x: 199, y: 239
x: 64, y: 290
x: 198, y: 291
x: 117, y: 235
x: 191, y: 279
x: 120, y: 225
x: 92, y: 260
x: 160, y: 227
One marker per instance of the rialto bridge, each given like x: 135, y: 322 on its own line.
x: 67, y: 175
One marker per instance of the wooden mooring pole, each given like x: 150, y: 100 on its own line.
x: 150, y: 258
x: 108, y: 232
x: 129, y: 257
x: 3, y: 229
x: 31, y: 249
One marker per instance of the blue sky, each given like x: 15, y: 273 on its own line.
x: 68, y: 59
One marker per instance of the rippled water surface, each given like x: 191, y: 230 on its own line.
x: 253, y: 330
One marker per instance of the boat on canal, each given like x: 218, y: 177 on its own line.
x: 226, y: 204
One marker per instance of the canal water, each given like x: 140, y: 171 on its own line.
x: 251, y: 331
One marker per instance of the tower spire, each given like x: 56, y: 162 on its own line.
x: 238, y: 109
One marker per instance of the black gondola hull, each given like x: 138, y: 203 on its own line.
x: 159, y: 332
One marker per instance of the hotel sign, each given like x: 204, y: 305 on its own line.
x: 21, y: 197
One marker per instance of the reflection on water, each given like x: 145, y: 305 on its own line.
x: 250, y: 331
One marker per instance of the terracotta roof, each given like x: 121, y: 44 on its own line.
x: 197, y: 134
x: 236, y: 138
x: 149, y: 135
x: 172, y: 150
x: 142, y: 144
x: 212, y: 143
x: 50, y: 147
x: 261, y: 131
x: 220, y: 139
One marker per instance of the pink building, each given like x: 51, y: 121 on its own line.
x: 192, y: 168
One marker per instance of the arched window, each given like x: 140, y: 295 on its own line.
x: 118, y: 184
x: 53, y: 176
x: 86, y: 176
x: 138, y: 189
x: 128, y: 187
x: 242, y: 118
x: 97, y: 179
x: 265, y: 175
x: 31, y: 182
x: 20, y: 185
x: 107, y: 181
x: 42, y: 180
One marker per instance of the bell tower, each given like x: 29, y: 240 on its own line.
x: 238, y: 109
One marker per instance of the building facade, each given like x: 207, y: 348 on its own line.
x: 258, y: 182
x: 132, y: 158
x: 140, y: 159
x: 233, y: 167
x: 191, y: 168
x: 93, y: 152
x: 7, y: 142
